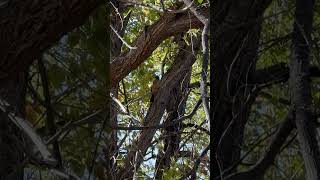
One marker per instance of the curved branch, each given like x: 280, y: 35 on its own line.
x: 30, y: 27
x: 147, y: 42
x: 278, y: 73
x: 259, y: 169
x: 140, y: 146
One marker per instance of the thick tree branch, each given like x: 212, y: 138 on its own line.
x: 193, y: 172
x: 172, y: 133
x: 259, y: 169
x: 30, y: 27
x: 278, y: 73
x: 25, y: 127
x: 168, y: 25
x: 203, y: 18
x: 236, y: 27
x: 300, y: 89
x: 172, y: 78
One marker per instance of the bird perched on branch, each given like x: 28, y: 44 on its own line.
x: 154, y: 88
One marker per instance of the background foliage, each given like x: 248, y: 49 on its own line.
x: 77, y: 76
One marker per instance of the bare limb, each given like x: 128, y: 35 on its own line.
x: 168, y: 25
x: 31, y: 134
x: 259, y: 169
x: 123, y: 41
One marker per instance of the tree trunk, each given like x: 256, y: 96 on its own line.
x: 111, y: 149
x: 28, y: 28
x: 300, y: 88
x: 174, y: 76
x: 172, y: 133
x: 235, y: 30
x: 12, y: 90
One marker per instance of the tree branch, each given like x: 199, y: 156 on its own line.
x: 277, y: 73
x: 147, y: 42
x: 259, y: 169
x: 300, y: 89
x: 171, y: 79
x: 46, y: 21
x: 50, y: 123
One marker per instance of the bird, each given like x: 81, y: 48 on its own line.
x: 154, y: 88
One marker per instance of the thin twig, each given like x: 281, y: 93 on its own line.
x: 159, y: 9
x: 123, y: 41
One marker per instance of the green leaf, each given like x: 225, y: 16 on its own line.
x: 73, y: 39
x: 200, y: 1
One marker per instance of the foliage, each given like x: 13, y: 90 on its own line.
x: 77, y: 70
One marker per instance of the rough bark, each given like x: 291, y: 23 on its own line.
x: 111, y: 148
x: 172, y: 133
x: 30, y: 27
x: 171, y: 79
x: 235, y: 31
x: 300, y: 88
x: 168, y: 25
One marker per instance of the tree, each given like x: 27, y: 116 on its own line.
x: 237, y: 83
x: 234, y: 58
x: 76, y: 86
x: 65, y: 73
x: 300, y: 88
x: 27, y: 30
